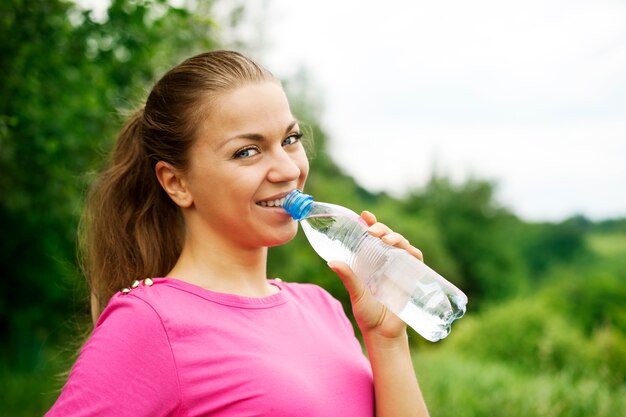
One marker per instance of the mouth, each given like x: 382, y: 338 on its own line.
x: 276, y: 200
x: 272, y: 203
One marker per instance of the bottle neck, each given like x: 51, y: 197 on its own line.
x: 298, y: 204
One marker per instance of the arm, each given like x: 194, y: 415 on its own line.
x: 396, y: 389
x: 126, y: 368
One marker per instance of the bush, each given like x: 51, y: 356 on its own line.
x: 593, y: 299
x: 525, y: 334
x: 532, y: 336
x: 609, y: 355
x: 455, y: 384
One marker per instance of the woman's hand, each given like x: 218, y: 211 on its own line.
x: 396, y: 390
x: 371, y: 316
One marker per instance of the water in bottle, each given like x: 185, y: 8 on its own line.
x: 406, y: 286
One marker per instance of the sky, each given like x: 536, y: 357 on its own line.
x: 528, y: 94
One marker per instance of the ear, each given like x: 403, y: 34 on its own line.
x: 174, y: 184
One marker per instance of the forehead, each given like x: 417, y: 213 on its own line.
x: 255, y: 108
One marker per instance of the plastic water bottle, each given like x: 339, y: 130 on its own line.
x: 406, y: 286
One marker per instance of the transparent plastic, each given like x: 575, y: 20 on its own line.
x: 421, y: 297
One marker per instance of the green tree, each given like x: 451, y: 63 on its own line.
x: 65, y: 77
x: 545, y: 245
x: 477, y: 232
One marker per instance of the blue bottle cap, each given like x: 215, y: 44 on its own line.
x: 298, y: 204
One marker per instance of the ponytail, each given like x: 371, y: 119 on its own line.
x: 130, y: 228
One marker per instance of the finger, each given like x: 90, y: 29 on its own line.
x: 368, y: 217
x: 415, y: 252
x: 353, y: 284
x: 396, y: 239
x: 379, y: 230
x: 382, y: 231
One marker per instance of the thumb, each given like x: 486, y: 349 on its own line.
x: 353, y: 284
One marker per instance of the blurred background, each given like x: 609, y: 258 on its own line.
x: 491, y: 134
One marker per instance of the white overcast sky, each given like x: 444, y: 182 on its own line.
x: 530, y: 94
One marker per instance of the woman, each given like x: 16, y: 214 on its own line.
x: 186, y: 197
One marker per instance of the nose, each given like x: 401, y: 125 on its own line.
x: 284, y: 167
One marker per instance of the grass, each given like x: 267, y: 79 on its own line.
x: 610, y: 245
x: 456, y: 385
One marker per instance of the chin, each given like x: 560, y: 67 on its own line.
x: 282, y: 239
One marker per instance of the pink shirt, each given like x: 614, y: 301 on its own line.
x: 175, y: 349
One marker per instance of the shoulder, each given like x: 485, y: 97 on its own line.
x: 129, y: 302
x: 139, y: 310
x: 128, y: 359
x: 143, y: 299
x: 130, y: 324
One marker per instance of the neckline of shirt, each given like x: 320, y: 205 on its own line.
x: 233, y: 300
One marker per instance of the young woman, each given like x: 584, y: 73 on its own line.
x: 180, y: 222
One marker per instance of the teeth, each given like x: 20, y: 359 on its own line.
x: 272, y: 203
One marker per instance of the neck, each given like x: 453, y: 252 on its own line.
x: 214, y: 264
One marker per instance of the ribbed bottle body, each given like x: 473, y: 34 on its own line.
x: 405, y: 285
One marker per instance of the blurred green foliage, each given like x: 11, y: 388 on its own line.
x: 455, y: 384
x: 545, y: 332
x: 65, y: 78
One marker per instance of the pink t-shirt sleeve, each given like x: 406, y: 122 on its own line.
x: 125, y: 369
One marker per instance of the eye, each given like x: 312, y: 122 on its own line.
x: 245, y: 153
x: 291, y: 139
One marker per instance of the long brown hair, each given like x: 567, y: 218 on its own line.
x: 130, y: 228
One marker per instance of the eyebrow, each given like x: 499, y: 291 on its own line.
x: 253, y: 136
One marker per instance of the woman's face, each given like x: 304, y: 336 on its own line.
x: 248, y: 153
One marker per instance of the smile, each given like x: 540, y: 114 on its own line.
x: 272, y: 203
